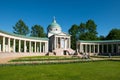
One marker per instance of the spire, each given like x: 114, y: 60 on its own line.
x: 54, y: 20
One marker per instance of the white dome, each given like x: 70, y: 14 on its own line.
x: 54, y: 27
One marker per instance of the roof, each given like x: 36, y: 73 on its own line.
x: 54, y: 24
x: 98, y: 41
x: 16, y: 35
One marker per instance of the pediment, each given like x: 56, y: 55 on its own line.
x: 63, y: 34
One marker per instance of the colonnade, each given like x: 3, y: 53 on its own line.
x: 9, y: 44
x: 99, y: 47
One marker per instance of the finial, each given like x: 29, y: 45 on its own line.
x: 54, y: 20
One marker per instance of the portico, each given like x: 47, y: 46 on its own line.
x: 62, y: 42
x: 99, y: 47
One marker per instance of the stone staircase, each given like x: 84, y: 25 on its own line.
x: 71, y: 51
x: 60, y: 52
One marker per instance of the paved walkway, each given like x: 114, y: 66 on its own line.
x: 5, y: 57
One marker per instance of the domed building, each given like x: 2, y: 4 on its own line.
x: 59, y: 42
x: 53, y: 28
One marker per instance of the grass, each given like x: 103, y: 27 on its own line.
x: 102, y: 70
x: 47, y: 57
x: 105, y: 56
x: 44, y: 58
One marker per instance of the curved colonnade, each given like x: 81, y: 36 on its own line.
x: 18, y: 43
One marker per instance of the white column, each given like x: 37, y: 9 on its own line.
x: 14, y: 45
x: 94, y: 48
x: 40, y: 47
x: 89, y: 48
x: 81, y: 47
x: 3, y: 44
x: 35, y: 47
x: 25, y: 46
x: 65, y: 43
x: 98, y: 48
x: 46, y: 47
x: 9, y: 45
x: 30, y: 46
x: 19, y: 45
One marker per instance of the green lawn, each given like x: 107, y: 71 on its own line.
x: 44, y: 58
x: 101, y: 70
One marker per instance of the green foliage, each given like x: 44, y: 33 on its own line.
x: 114, y: 34
x: 73, y: 32
x: 37, y: 31
x: 85, y: 31
x: 101, y: 37
x: 21, y: 28
x: 88, y: 30
x: 103, y: 70
x: 82, y: 28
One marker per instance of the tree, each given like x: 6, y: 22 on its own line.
x: 85, y: 31
x: 101, y: 37
x: 88, y: 31
x: 82, y: 28
x: 114, y: 34
x: 37, y: 31
x: 73, y: 32
x: 91, y: 30
x: 21, y: 28
x: 82, y: 31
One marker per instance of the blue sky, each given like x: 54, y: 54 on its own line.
x: 105, y: 13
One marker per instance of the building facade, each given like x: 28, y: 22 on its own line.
x: 105, y: 47
x: 59, y: 42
